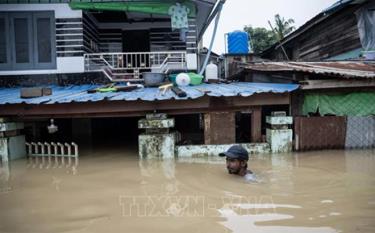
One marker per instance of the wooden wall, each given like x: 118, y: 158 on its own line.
x: 335, y: 35
x: 219, y: 128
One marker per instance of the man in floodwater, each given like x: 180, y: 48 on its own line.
x: 237, y: 158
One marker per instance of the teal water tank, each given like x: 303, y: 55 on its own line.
x: 238, y: 42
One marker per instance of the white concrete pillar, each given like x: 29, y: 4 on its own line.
x: 157, y: 141
x: 279, y: 136
x: 12, y: 144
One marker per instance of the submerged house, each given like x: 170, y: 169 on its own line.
x: 70, y: 50
x: 332, y: 58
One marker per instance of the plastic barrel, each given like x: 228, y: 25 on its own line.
x: 238, y: 42
x: 212, y: 72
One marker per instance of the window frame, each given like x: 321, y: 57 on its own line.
x: 32, y: 17
x: 44, y: 65
x: 15, y: 65
x: 8, y: 64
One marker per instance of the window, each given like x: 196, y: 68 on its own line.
x: 27, y: 40
x: 4, y: 44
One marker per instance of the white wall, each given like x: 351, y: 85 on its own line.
x: 64, y: 65
x: 62, y: 10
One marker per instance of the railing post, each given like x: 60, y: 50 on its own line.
x: 55, y: 153
x: 69, y: 153
x: 36, y: 160
x: 75, y: 153
x: 49, y: 153
x: 135, y: 60
x: 42, y: 154
x: 29, y: 151
x: 62, y: 153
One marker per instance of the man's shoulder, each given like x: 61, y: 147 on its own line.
x: 250, y: 176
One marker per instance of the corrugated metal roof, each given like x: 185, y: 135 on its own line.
x: 338, y: 4
x: 340, y: 69
x: 69, y: 94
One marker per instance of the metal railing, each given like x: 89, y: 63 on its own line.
x: 58, y: 151
x: 125, y: 63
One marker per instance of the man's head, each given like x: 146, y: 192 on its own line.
x: 237, y: 158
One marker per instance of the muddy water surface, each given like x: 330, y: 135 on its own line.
x: 114, y: 191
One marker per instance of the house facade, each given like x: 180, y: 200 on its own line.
x: 330, y: 57
x: 117, y: 39
x: 340, y: 32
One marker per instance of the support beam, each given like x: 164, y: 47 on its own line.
x: 219, y: 128
x: 256, y: 124
x: 334, y: 83
x: 140, y: 108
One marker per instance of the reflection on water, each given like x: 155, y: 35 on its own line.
x: 4, y: 177
x: 114, y: 191
x: 247, y: 223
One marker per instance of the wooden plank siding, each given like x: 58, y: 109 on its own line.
x: 333, y: 36
x: 219, y: 128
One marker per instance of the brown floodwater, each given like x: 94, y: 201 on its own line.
x: 114, y: 191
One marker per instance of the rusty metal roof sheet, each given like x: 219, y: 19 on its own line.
x: 69, y: 94
x: 337, y: 69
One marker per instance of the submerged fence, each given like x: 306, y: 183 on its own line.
x: 332, y: 132
x: 48, y: 154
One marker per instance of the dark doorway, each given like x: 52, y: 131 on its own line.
x: 243, y: 127
x: 115, y: 132
x: 191, y: 129
x: 136, y: 41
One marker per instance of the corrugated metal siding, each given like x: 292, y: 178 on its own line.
x: 70, y: 94
x: 314, y: 133
x: 360, y: 132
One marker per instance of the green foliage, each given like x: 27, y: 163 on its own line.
x: 261, y: 38
x: 283, y: 27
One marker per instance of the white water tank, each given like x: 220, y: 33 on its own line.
x: 212, y: 71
